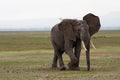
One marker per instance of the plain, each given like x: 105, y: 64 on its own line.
x: 28, y: 56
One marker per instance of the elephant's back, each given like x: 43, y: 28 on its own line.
x: 54, y: 28
x: 57, y: 36
x: 55, y: 31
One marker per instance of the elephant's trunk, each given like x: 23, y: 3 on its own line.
x: 85, y: 41
x: 86, y: 46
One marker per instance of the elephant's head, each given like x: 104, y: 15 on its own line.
x: 94, y: 23
x: 94, y: 26
x: 73, y: 29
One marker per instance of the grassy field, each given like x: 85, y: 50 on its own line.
x: 28, y: 56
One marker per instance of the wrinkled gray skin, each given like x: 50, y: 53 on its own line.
x: 66, y: 37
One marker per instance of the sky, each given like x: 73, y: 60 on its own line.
x: 19, y: 13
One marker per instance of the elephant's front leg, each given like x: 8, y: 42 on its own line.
x: 69, y: 50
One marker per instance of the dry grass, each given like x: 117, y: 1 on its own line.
x: 28, y: 56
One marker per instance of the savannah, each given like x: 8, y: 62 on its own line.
x: 28, y: 56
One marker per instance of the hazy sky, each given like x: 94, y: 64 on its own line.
x: 37, y: 9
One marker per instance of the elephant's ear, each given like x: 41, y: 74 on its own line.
x: 67, y: 29
x: 93, y: 22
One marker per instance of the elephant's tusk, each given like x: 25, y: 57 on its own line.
x: 84, y: 46
x: 92, y: 44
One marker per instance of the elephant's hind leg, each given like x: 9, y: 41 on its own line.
x: 54, y: 63
x: 58, y: 55
x: 61, y: 63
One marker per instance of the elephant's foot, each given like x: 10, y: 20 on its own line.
x: 62, y: 68
x: 73, y: 66
x: 54, y: 66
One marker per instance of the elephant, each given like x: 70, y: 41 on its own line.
x: 68, y: 35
